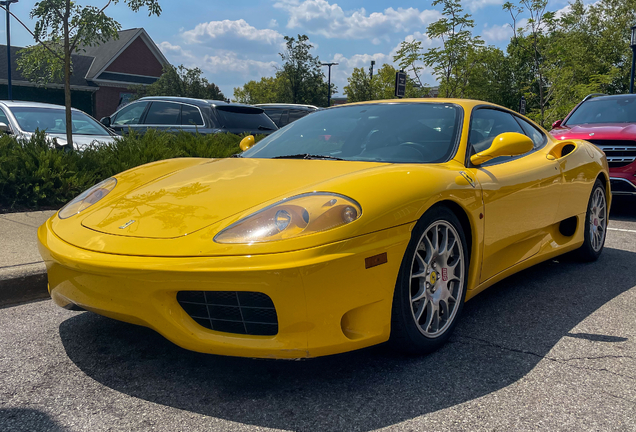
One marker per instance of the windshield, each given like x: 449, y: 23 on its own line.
x: 388, y: 132
x: 246, y: 118
x: 53, y: 121
x: 605, y: 110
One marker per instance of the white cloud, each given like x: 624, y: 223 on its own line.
x: 475, y: 5
x: 331, y: 21
x: 497, y: 33
x: 226, y: 33
x: 273, y: 23
x: 231, y: 62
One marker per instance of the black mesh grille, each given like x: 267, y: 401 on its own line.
x: 238, y: 312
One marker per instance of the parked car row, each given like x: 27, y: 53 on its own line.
x: 609, y: 122
x: 163, y: 113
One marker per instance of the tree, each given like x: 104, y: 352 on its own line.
x: 305, y: 82
x: 183, y: 82
x: 535, y: 39
x: 361, y: 88
x: 450, y: 62
x: 267, y: 90
x: 62, y: 28
x: 407, y: 57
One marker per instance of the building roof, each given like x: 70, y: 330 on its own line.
x: 81, y: 65
x: 90, y: 63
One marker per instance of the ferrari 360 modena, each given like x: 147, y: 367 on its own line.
x: 356, y: 225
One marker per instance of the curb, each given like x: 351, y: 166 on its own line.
x: 24, y: 286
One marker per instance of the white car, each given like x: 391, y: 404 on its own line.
x: 22, y: 119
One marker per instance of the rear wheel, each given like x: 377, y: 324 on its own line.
x: 595, y: 224
x: 431, y: 287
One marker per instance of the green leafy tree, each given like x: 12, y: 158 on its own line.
x: 382, y: 86
x: 62, y: 28
x: 267, y: 90
x: 451, y: 62
x: 407, y: 58
x: 181, y: 81
x: 301, y: 71
x: 491, y: 77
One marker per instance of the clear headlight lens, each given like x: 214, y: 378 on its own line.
x: 87, y: 198
x: 293, y: 217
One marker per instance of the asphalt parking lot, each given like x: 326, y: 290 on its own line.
x: 551, y: 348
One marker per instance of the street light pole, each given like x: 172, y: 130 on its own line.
x: 329, y: 82
x: 6, y: 4
x: 633, y: 46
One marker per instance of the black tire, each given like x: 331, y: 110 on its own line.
x: 590, y: 250
x: 408, y: 334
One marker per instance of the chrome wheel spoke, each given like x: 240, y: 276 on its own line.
x: 437, y: 278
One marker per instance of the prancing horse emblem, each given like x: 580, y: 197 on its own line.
x: 127, y: 224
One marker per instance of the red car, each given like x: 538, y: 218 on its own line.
x: 609, y: 122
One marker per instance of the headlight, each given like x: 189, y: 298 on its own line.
x: 293, y: 217
x: 87, y: 198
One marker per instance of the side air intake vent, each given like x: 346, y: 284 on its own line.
x: 239, y: 312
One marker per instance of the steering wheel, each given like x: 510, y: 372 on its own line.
x: 415, y: 146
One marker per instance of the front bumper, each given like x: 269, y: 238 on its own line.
x: 327, y: 302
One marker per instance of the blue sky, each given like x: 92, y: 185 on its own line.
x: 235, y: 42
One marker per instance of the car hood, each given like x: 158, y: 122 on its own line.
x: 610, y: 131
x: 193, y: 198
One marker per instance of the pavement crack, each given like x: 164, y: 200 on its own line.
x: 620, y: 397
x: 485, y: 342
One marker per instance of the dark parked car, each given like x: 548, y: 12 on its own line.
x: 283, y: 114
x: 609, y: 122
x: 191, y: 115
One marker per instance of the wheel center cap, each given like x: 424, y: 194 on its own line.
x: 434, y: 277
x: 596, y: 222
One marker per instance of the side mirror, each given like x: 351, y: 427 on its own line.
x: 4, y: 128
x: 505, y: 144
x: 557, y: 124
x: 247, y: 142
x: 105, y: 121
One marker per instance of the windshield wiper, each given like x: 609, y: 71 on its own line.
x: 306, y: 156
x: 261, y: 127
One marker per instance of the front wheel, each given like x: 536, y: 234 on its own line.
x: 595, y: 224
x: 431, y: 286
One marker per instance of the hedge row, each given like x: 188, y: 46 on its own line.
x: 34, y: 175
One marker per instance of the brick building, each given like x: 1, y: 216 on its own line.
x: 102, y: 75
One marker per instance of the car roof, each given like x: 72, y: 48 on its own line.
x: 193, y: 101
x: 283, y: 105
x: 28, y: 104
x: 618, y: 96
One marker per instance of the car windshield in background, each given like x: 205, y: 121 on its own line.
x: 53, y: 121
x: 247, y: 118
x: 389, y: 132
x: 605, y: 110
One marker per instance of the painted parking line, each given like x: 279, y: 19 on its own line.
x: 622, y: 230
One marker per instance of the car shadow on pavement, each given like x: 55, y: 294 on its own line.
x: 501, y: 336
x: 623, y: 209
x: 27, y: 420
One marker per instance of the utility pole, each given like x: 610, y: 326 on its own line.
x: 6, y: 4
x: 329, y: 81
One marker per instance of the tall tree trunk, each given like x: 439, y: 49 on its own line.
x: 67, y: 78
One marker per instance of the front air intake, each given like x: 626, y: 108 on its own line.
x: 239, y: 312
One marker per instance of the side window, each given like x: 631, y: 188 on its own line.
x: 485, y: 125
x: 537, y: 137
x: 130, y: 115
x: 275, y: 115
x: 3, y: 118
x: 163, y: 113
x: 296, y: 114
x: 191, y: 116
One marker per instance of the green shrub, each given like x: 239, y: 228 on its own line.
x: 34, y: 175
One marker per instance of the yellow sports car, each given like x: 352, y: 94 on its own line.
x: 352, y: 226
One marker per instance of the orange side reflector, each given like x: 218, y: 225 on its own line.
x: 375, y: 260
